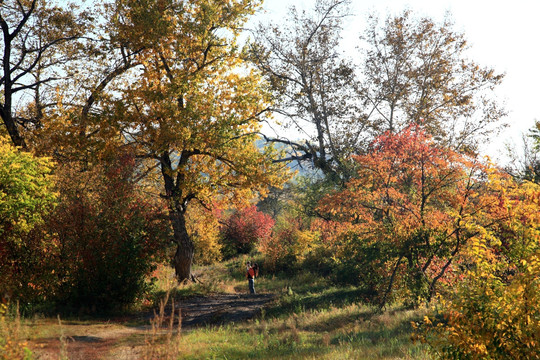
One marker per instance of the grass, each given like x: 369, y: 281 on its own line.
x: 310, y: 318
x: 350, y: 332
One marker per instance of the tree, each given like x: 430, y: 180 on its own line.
x: 494, y: 312
x: 413, y: 206
x: 415, y: 71
x: 26, y: 197
x: 313, y: 84
x: 38, y: 39
x: 192, y: 106
x: 526, y: 166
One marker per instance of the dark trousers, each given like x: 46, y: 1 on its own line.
x: 251, y: 286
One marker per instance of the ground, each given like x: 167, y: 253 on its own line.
x: 124, y: 338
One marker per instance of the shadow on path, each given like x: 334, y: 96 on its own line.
x: 221, y: 308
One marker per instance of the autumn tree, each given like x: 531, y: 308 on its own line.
x: 494, y: 311
x: 38, y: 39
x: 416, y: 71
x: 191, y: 107
x: 411, y: 210
x: 26, y: 197
x: 313, y: 83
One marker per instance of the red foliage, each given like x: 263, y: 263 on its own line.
x: 410, y: 205
x: 246, y: 227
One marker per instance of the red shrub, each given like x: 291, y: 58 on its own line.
x: 245, y: 228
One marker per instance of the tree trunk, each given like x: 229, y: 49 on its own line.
x: 185, y: 249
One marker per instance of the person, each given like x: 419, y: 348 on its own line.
x: 251, y: 274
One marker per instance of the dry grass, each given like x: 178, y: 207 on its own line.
x: 13, y: 345
x: 162, y: 341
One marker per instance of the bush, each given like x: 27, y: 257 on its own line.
x: 203, y: 228
x: 494, y: 313
x: 244, y: 229
x: 26, y: 197
x: 289, y: 245
x: 109, y: 236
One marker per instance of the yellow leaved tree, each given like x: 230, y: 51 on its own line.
x: 191, y: 107
x: 495, y: 311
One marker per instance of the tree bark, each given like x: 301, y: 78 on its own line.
x: 183, y: 257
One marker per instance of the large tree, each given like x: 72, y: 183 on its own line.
x: 416, y: 71
x: 412, y: 71
x: 191, y: 107
x: 312, y: 82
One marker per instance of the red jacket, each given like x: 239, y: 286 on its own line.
x: 250, y: 273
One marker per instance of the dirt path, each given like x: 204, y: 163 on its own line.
x: 119, y: 339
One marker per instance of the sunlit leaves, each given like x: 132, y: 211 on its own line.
x: 494, y: 312
x: 417, y: 202
x: 26, y: 197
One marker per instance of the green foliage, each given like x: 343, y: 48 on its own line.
x: 26, y: 196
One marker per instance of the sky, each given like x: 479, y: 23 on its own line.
x: 502, y: 34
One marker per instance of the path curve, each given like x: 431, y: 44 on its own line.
x: 97, y: 341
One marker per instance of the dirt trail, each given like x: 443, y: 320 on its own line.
x: 117, y: 339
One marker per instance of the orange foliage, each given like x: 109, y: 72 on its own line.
x: 413, y: 203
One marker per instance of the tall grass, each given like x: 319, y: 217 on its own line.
x: 162, y: 341
x: 12, y: 344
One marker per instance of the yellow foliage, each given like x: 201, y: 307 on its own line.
x: 495, y: 312
x: 289, y: 243
x: 203, y: 227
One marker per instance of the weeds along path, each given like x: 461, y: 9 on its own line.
x: 125, y: 338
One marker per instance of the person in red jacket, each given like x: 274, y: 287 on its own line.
x: 252, y: 273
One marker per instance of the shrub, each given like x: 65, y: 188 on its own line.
x: 289, y: 245
x: 26, y: 196
x: 203, y: 227
x: 494, y: 313
x: 244, y: 229
x: 109, y: 236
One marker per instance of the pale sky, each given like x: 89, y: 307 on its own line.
x: 502, y: 34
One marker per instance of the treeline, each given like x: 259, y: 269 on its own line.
x: 132, y: 137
